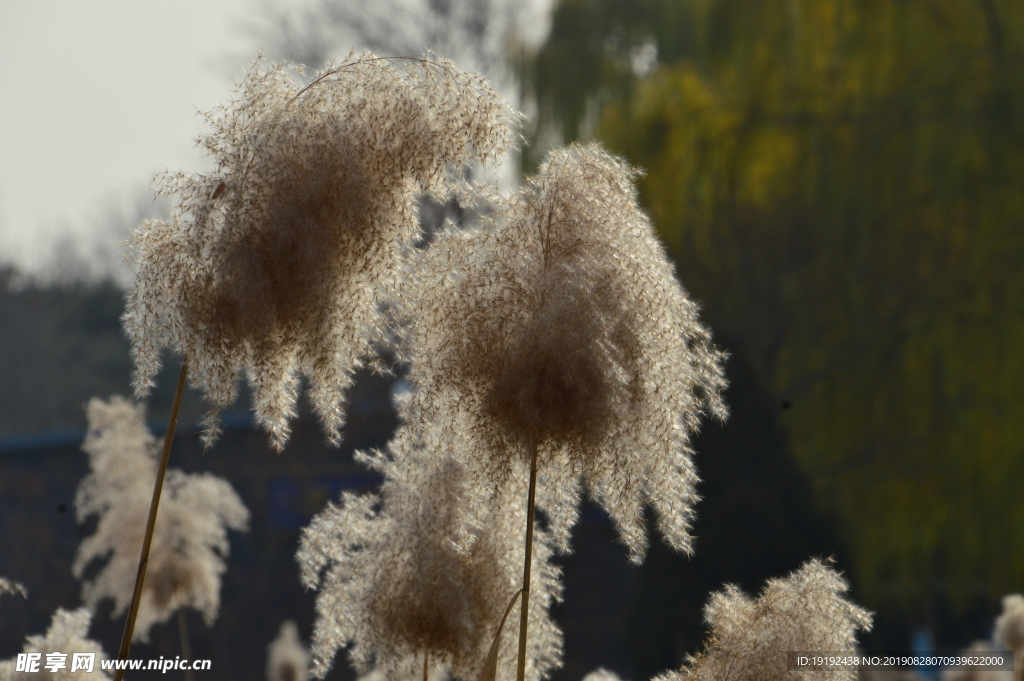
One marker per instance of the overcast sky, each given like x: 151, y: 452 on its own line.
x: 97, y: 95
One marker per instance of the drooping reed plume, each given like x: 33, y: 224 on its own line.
x: 287, y: 658
x: 273, y: 263
x: 565, y: 330
x: 1010, y: 631
x: 9, y: 587
x: 751, y: 638
x: 67, y: 634
x: 434, y: 673
x: 396, y: 589
x: 191, y: 540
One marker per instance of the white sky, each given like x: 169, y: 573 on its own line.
x: 96, y: 96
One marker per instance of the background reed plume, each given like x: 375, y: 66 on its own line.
x: 191, y: 535
x: 287, y: 658
x: 566, y: 330
x: 9, y: 587
x: 394, y: 586
x: 274, y: 262
x: 67, y: 634
x: 1010, y: 631
x: 751, y: 637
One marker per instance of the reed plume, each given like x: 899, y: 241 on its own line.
x: 67, y: 634
x: 191, y: 540
x: 273, y: 264
x: 287, y: 658
x: 434, y: 673
x: 9, y: 587
x: 751, y: 638
x: 395, y: 588
x: 1010, y: 631
x: 1010, y: 624
x: 565, y: 330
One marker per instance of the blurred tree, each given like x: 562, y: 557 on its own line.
x: 597, y: 50
x: 840, y: 182
x: 492, y: 37
x: 97, y: 254
x: 488, y: 36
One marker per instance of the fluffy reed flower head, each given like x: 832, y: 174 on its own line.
x: 190, y: 539
x: 394, y: 586
x: 1010, y: 624
x: 274, y: 262
x: 287, y: 658
x: 9, y: 587
x: 751, y: 638
x: 602, y: 674
x: 565, y: 329
x: 67, y: 634
x: 434, y: 673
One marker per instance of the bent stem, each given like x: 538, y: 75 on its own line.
x: 527, y: 564
x: 147, y: 542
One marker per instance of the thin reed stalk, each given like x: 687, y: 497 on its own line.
x: 186, y: 648
x: 147, y: 542
x: 527, y: 563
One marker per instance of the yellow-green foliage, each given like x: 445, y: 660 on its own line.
x: 842, y: 183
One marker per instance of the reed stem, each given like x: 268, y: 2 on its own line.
x: 140, y: 578
x: 186, y: 648
x: 527, y: 564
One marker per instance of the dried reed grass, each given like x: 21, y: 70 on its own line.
x: 394, y: 587
x: 274, y: 263
x: 751, y: 638
x: 565, y: 329
x: 287, y: 658
x: 67, y: 634
x: 9, y: 587
x: 1010, y: 624
x: 190, y: 540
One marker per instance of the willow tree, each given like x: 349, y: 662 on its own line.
x: 840, y: 182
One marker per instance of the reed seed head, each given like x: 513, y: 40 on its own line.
x: 564, y: 328
x: 412, y: 671
x: 287, y: 658
x: 67, y: 634
x: 751, y: 637
x: 9, y: 587
x: 274, y: 263
x: 394, y: 586
x: 602, y: 674
x: 1010, y: 624
x: 190, y: 538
